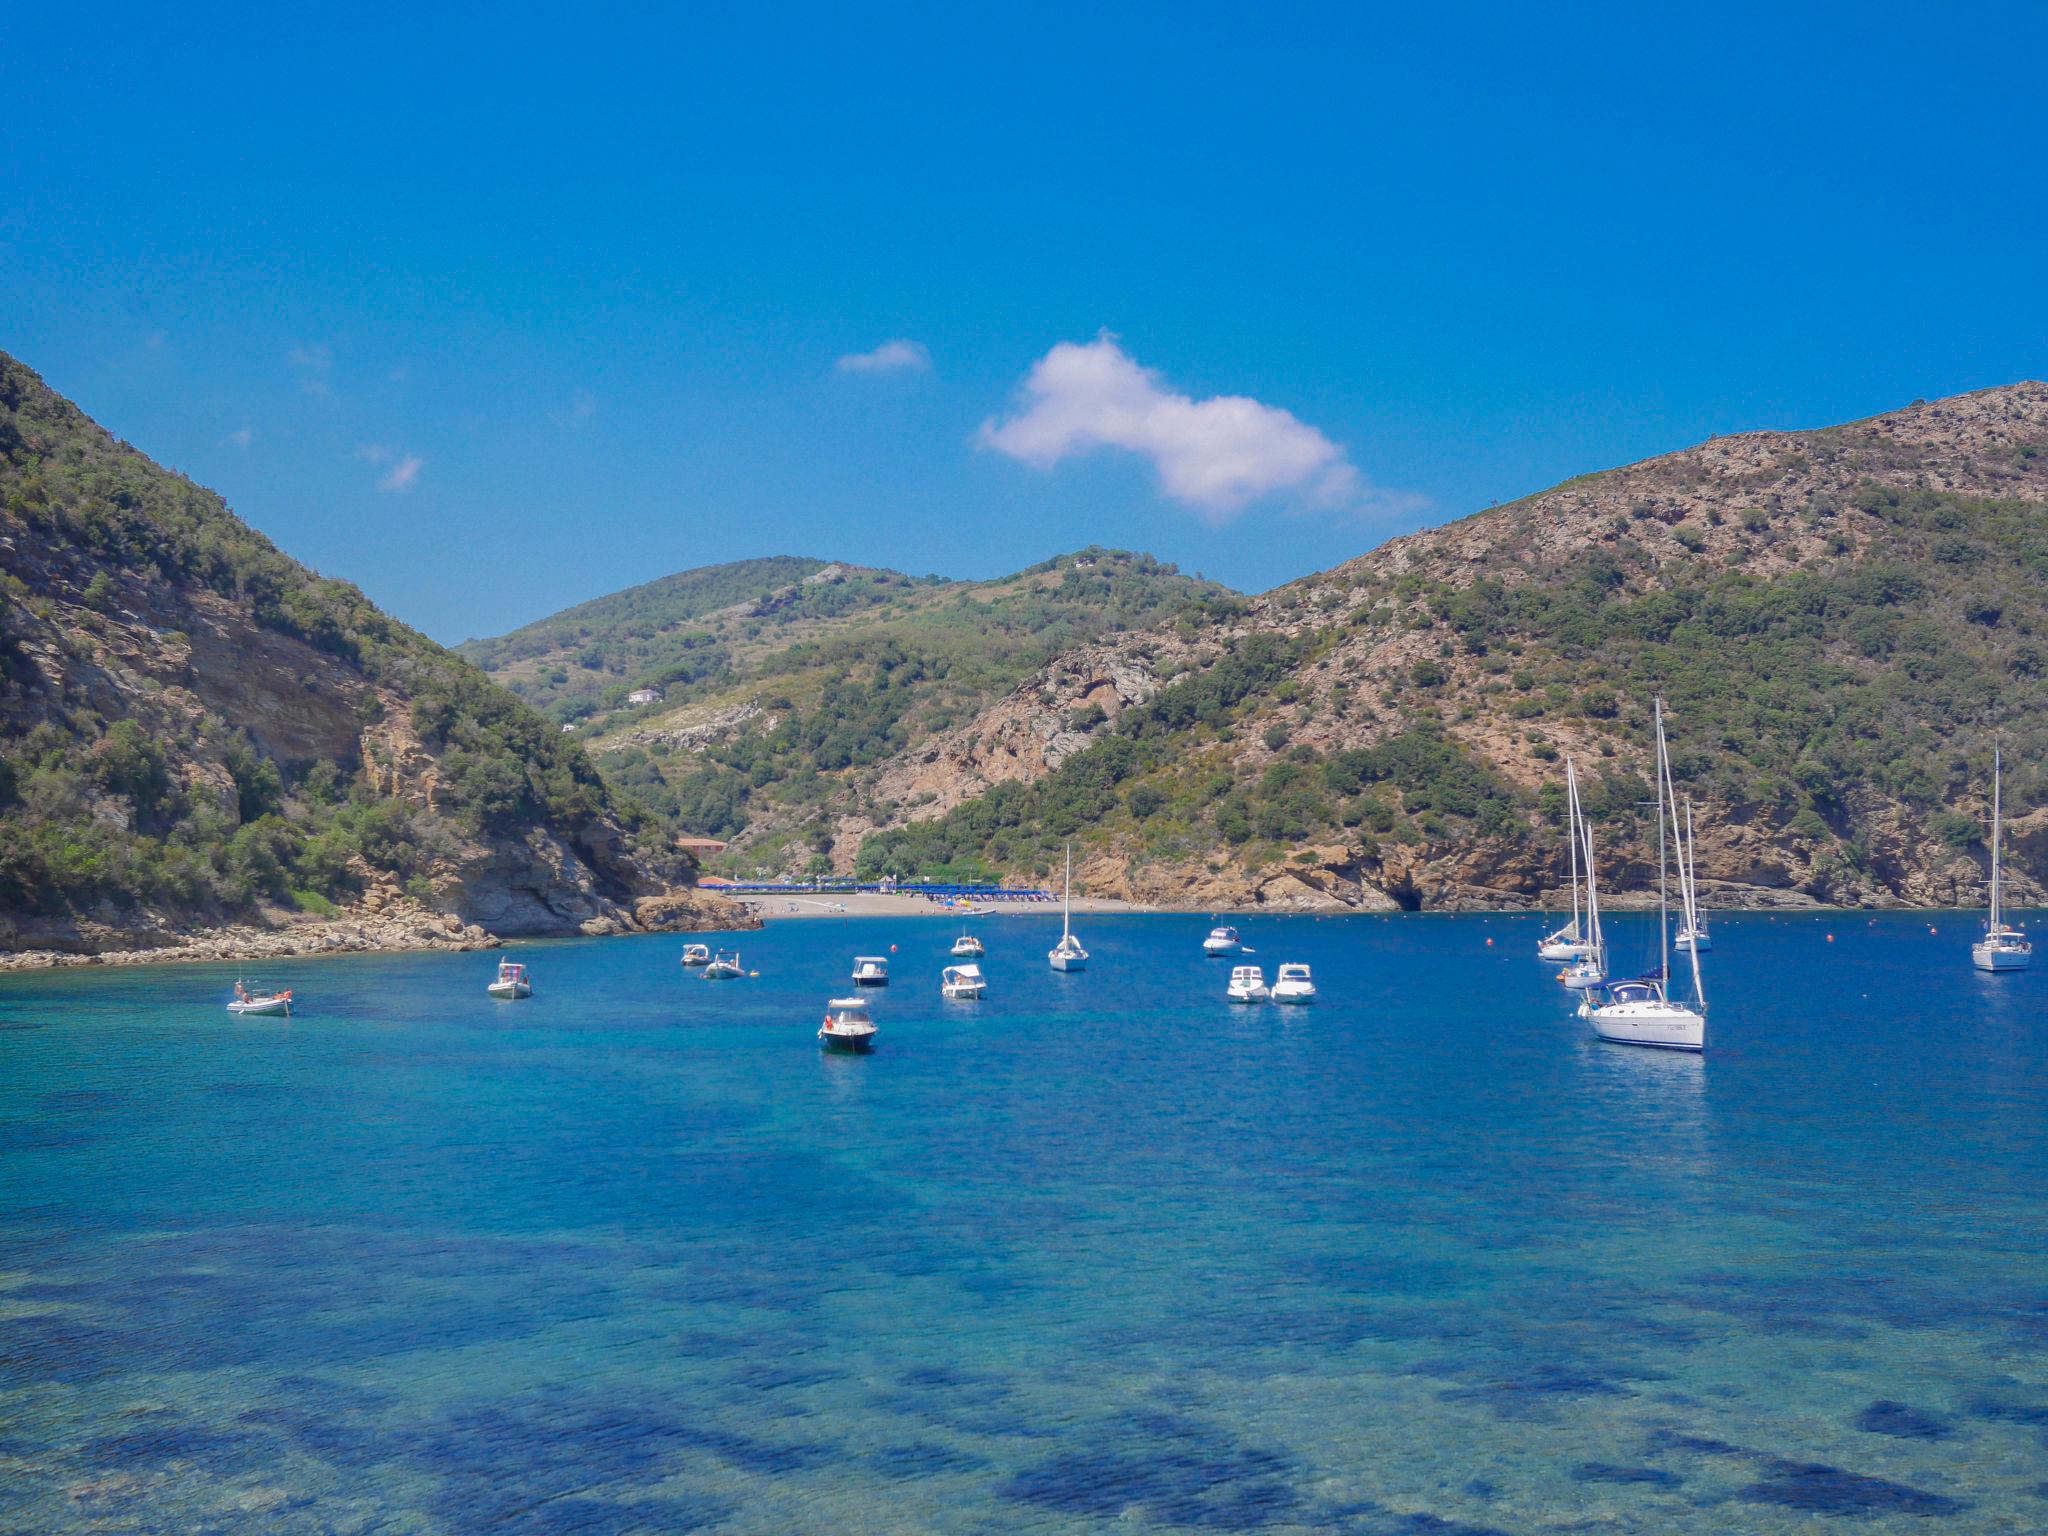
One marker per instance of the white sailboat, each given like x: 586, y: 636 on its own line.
x: 1590, y: 969
x: 1641, y: 1011
x: 1693, y: 935
x: 1569, y: 942
x: 1068, y: 955
x: 2002, y: 948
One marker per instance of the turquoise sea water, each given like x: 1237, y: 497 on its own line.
x: 1100, y: 1253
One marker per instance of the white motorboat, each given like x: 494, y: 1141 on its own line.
x: 723, y: 966
x: 1292, y: 984
x: 962, y: 983
x: 1222, y: 941
x: 847, y: 1026
x: 968, y: 947
x: 1692, y: 934
x: 1642, y: 1011
x: 870, y: 971
x: 2003, y: 948
x: 512, y: 983
x: 696, y: 954
x: 1247, y: 985
x: 1590, y: 969
x: 251, y: 1003
x: 1068, y: 955
x: 1570, y: 941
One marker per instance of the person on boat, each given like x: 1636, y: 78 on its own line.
x: 241, y: 993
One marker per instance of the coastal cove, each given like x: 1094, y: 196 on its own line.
x: 1100, y: 1252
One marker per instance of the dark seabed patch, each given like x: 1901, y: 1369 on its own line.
x: 1828, y: 1490
x: 1885, y: 1417
x: 921, y: 1458
x: 155, y: 1439
x: 1602, y: 1472
x: 1536, y: 1392
x: 1173, y: 1470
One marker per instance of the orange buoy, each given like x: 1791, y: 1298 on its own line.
x: 1831, y: 938
x: 1489, y: 943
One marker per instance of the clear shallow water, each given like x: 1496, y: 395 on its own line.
x: 1102, y: 1251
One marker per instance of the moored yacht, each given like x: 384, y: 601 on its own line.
x: 847, y: 1026
x: 870, y: 971
x: 1247, y: 985
x: 1292, y: 984
x: 1590, y: 969
x: 1222, y: 941
x: 963, y: 983
x: 1068, y: 955
x: 512, y: 982
x: 1570, y: 941
x: 1642, y: 1011
x: 1693, y: 933
x: 2002, y: 948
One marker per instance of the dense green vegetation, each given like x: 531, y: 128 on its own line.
x: 100, y: 811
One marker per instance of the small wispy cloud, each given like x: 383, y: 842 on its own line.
x: 401, y: 470
x: 313, y: 364
x: 895, y: 356
x: 583, y: 407
x: 1216, y: 455
x: 242, y: 437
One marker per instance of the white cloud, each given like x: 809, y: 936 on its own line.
x: 313, y: 365
x: 896, y: 356
x: 242, y: 437
x: 400, y: 469
x: 1216, y: 455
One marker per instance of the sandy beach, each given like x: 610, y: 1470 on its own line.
x: 873, y: 904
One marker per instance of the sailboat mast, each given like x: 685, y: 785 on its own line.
x: 1571, y: 785
x: 1067, y: 898
x: 1997, y: 810
x: 1663, y: 901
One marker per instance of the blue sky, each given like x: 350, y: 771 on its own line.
x: 492, y: 314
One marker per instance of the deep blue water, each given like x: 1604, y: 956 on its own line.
x: 1100, y: 1252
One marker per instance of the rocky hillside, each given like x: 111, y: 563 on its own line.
x: 195, y: 729
x: 773, y: 719
x: 1839, y: 621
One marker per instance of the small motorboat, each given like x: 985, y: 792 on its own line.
x: 696, y: 954
x: 248, y: 1001
x: 870, y: 971
x: 723, y: 966
x: 1248, y: 984
x: 847, y: 1026
x: 968, y: 947
x: 962, y: 983
x: 1293, y: 985
x: 1222, y: 941
x: 511, y: 984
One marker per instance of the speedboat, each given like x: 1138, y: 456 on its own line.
x: 723, y: 966
x: 870, y: 971
x: 1292, y: 984
x: 962, y: 983
x: 511, y: 983
x: 1222, y: 941
x: 847, y: 1026
x: 696, y: 954
x: 968, y: 947
x: 2003, y: 947
x: 1068, y: 955
x: 1247, y: 984
x: 250, y: 1003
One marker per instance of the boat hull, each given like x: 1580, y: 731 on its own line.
x: 510, y: 991
x: 263, y: 1008
x: 1257, y: 995
x: 1987, y: 958
x: 1662, y: 1025
x: 847, y: 1042
x: 1068, y: 962
x: 1213, y: 948
x: 1292, y: 996
x: 963, y: 994
x: 1562, y: 951
x: 1699, y: 944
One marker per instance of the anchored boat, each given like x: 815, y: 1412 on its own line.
x: 723, y: 966
x: 2002, y: 948
x: 962, y: 983
x: 847, y: 1026
x: 250, y: 1002
x: 870, y: 971
x: 511, y: 983
x: 1247, y: 985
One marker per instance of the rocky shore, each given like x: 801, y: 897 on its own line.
x: 383, y: 923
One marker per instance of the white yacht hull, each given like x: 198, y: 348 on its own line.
x: 1249, y: 994
x: 848, y: 1040
x: 1986, y: 957
x: 1562, y: 950
x: 1582, y: 981
x: 1217, y: 947
x: 263, y: 1007
x: 963, y: 994
x: 510, y: 991
x: 1294, y: 994
x: 1698, y: 943
x: 721, y: 973
x: 1659, y: 1024
x: 1062, y: 962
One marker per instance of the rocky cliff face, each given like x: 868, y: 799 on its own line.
x: 1840, y: 621
x: 194, y: 730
